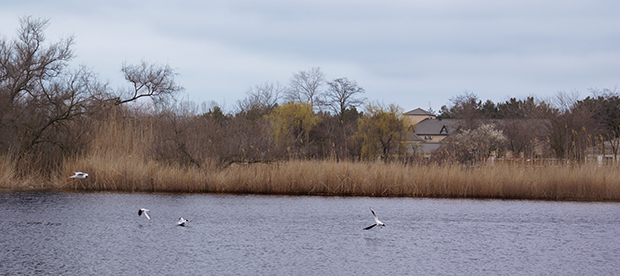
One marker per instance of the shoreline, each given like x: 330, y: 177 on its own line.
x: 59, y: 190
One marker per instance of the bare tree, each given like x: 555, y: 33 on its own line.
x: 304, y: 86
x: 569, y: 132
x: 466, y: 107
x: 41, y: 100
x: 341, y: 95
x: 27, y: 62
x: 44, y: 104
x: 605, y: 108
x: 525, y: 124
x: 260, y: 100
x: 148, y: 80
x: 522, y: 135
x: 565, y: 101
x: 64, y: 99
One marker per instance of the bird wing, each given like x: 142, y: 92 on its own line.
x: 375, y: 216
x: 370, y: 227
x: 146, y: 213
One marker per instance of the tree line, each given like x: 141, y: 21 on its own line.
x: 50, y: 112
x: 563, y: 127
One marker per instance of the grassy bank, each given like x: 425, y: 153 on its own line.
x: 127, y: 173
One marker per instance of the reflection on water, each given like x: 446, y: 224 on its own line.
x: 101, y: 233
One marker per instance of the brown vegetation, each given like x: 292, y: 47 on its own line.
x: 54, y: 121
x: 120, y: 157
x: 129, y: 173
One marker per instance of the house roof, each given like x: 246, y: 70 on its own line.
x: 436, y: 126
x: 410, y: 136
x: 419, y: 111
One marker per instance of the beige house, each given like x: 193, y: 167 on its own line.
x: 417, y: 115
x: 427, y: 131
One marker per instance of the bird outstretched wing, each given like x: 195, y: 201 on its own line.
x: 370, y: 227
x: 373, y: 212
x: 145, y: 211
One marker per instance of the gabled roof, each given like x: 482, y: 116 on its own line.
x: 436, y: 127
x: 410, y: 136
x: 419, y: 112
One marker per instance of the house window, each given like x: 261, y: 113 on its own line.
x: 444, y: 130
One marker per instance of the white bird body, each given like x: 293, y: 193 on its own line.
x: 377, y: 221
x: 145, y: 211
x: 182, y: 222
x: 79, y: 175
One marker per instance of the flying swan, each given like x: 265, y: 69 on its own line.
x: 377, y: 221
x: 145, y: 211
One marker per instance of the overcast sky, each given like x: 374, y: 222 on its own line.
x: 410, y: 53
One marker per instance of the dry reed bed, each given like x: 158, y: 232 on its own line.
x: 588, y: 183
x: 119, y: 158
x: 7, y: 177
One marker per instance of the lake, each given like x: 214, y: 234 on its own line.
x: 65, y: 233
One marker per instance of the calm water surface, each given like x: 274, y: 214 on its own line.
x: 59, y: 233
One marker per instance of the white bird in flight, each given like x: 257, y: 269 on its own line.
x: 79, y: 175
x: 377, y: 221
x: 182, y: 222
x: 145, y: 211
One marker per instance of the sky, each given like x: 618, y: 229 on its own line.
x: 410, y: 53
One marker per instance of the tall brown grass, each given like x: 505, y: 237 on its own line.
x: 115, y: 171
x: 7, y: 177
x: 358, y: 179
x: 120, y: 158
x: 10, y: 179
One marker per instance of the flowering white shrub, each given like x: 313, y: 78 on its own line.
x: 479, y: 143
